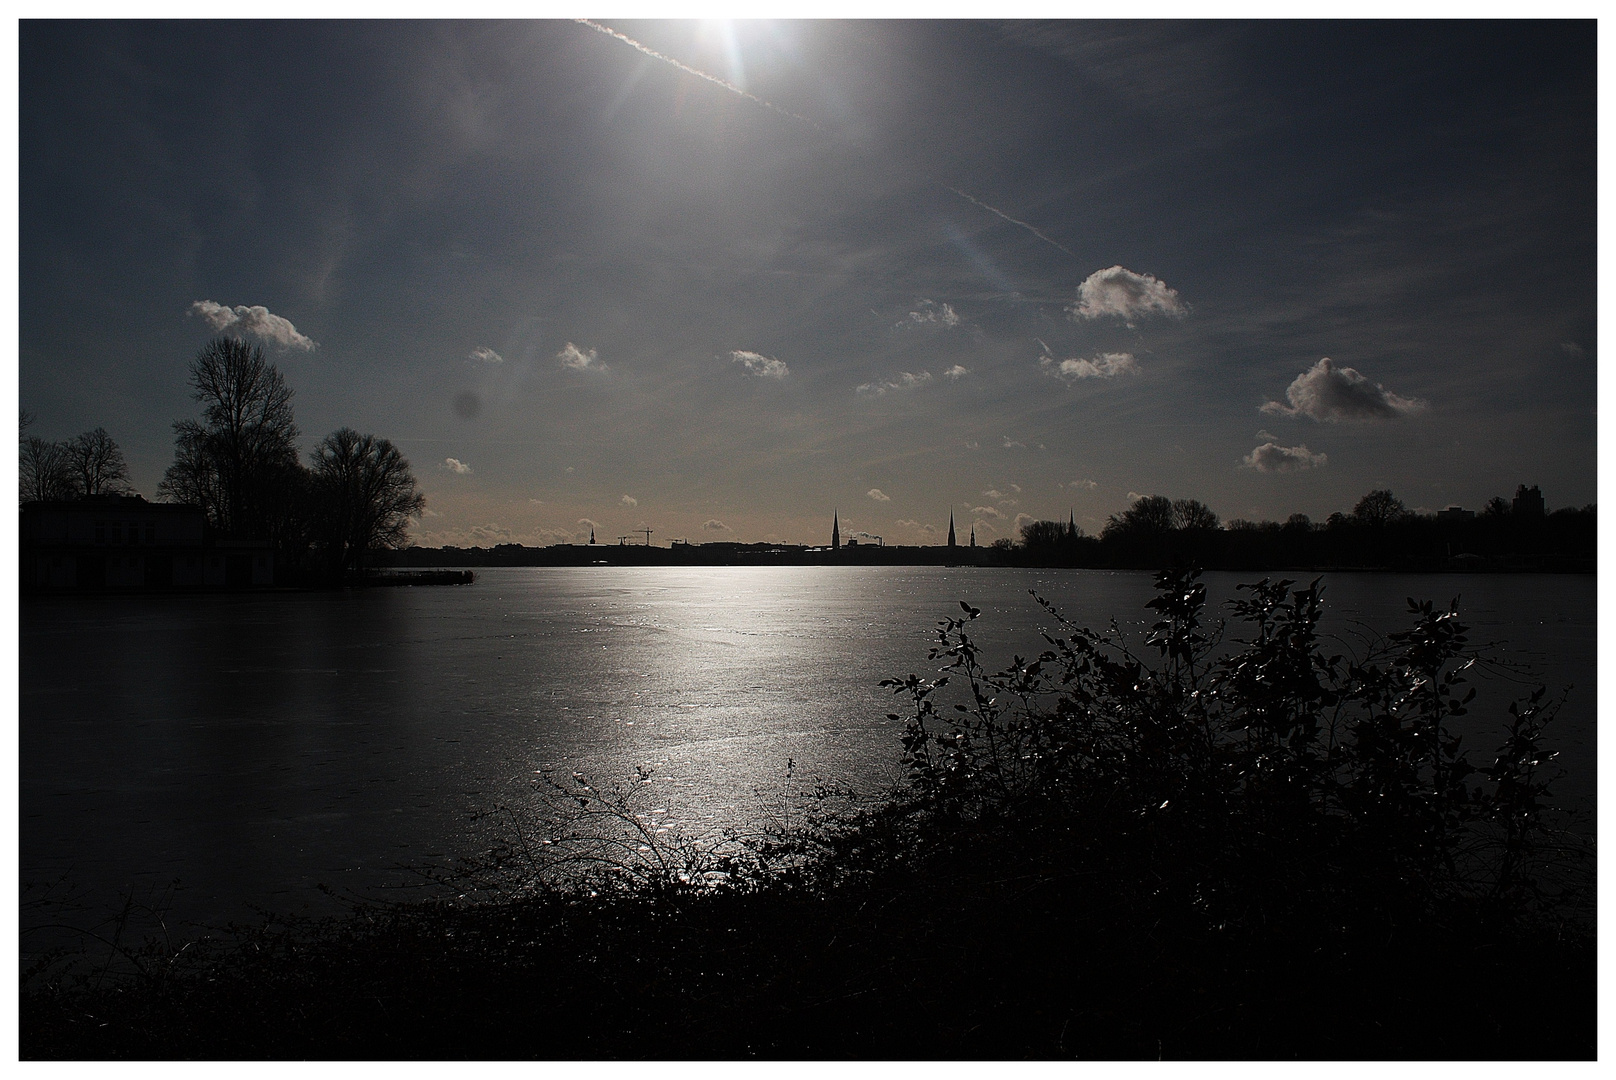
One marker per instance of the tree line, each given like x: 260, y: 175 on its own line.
x: 1379, y: 531
x: 239, y: 462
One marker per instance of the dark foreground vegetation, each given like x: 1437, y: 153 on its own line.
x: 1212, y: 843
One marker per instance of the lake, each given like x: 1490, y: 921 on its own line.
x: 227, y: 752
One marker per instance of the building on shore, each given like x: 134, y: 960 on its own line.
x: 124, y: 543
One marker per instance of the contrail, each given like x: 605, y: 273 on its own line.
x: 688, y: 70
x: 1011, y: 220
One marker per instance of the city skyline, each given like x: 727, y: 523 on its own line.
x: 705, y: 276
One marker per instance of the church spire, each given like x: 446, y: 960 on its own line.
x: 1071, y: 523
x: 591, y: 534
x: 973, y: 534
x: 835, y: 530
x: 951, y: 526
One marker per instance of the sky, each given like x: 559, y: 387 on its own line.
x: 723, y: 279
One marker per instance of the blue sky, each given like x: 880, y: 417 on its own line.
x: 721, y: 278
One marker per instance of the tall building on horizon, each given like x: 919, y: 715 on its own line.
x: 835, y: 530
x: 951, y: 527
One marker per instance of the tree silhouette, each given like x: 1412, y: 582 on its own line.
x: 44, y: 473
x: 96, y: 465
x: 240, y: 463
x: 367, y: 495
x: 1379, y: 508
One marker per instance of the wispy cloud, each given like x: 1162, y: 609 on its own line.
x: 878, y: 495
x: 714, y: 525
x: 760, y: 365
x: 486, y: 355
x: 1022, y: 519
x: 629, y: 500
x: 571, y: 356
x: 930, y: 530
x: 994, y: 493
x: 1331, y: 394
x: 1119, y: 291
x: 987, y: 511
x: 1011, y: 444
x: 933, y: 314
x: 257, y: 321
x: 1271, y: 457
x: 1087, y: 485
x: 905, y: 381
x: 956, y: 371
x: 456, y: 466
x: 1573, y: 350
x: 1103, y: 366
x: 590, y: 522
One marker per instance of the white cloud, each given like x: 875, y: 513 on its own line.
x: 1272, y: 457
x: 878, y: 495
x: 1011, y: 444
x: 491, y: 534
x: 1087, y: 485
x: 1022, y: 519
x: 430, y: 513
x: 973, y: 445
x: 571, y: 356
x: 928, y: 529
x: 629, y: 500
x: 1119, y: 291
x: 906, y: 381
x: 1333, y: 394
x: 935, y: 314
x: 486, y: 355
x: 987, y: 511
x: 1134, y: 496
x: 456, y: 466
x: 956, y: 371
x: 994, y: 493
x: 593, y: 524
x: 1017, y: 487
x: 253, y: 320
x: 1104, y: 366
x: 760, y: 365
x: 714, y: 525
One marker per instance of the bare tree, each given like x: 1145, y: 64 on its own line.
x: 1193, y: 515
x: 97, y: 465
x: 1149, y: 516
x: 44, y: 471
x: 368, y: 495
x: 1379, y: 508
x: 237, y: 462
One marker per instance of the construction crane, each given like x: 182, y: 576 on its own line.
x: 647, y: 533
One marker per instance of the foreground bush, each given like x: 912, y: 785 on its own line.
x: 1178, y: 850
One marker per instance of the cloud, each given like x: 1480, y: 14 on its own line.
x: 1087, y: 485
x: 1016, y: 488
x: 906, y: 381
x: 1272, y: 457
x: 935, y: 314
x: 973, y: 445
x: 1011, y: 444
x: 1134, y: 496
x: 956, y: 371
x: 878, y: 495
x: 994, y: 493
x: 491, y: 533
x: 629, y: 500
x: 486, y: 355
x: 1022, y: 519
x: 1331, y: 394
x: 714, y: 525
x: 253, y: 320
x: 760, y: 365
x: 1573, y: 350
x: 428, y: 512
x: 987, y: 511
x: 571, y: 356
x: 1104, y: 366
x: 1119, y: 291
x: 455, y: 466
x: 593, y: 524
x: 928, y: 529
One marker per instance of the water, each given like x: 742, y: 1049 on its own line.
x: 250, y: 748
